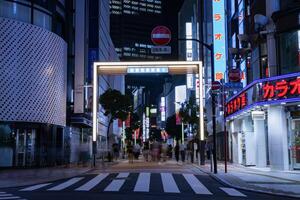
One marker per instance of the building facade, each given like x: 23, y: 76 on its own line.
x: 263, y: 118
x: 45, y: 114
x: 132, y: 22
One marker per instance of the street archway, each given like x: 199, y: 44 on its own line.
x: 166, y: 67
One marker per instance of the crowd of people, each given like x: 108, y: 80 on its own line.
x: 156, y: 151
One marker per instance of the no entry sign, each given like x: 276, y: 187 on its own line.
x: 161, y: 35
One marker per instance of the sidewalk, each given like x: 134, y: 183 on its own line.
x: 285, y: 183
x: 23, y: 177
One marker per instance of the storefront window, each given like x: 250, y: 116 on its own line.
x: 15, y: 11
x: 289, y: 45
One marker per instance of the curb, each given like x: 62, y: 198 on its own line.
x: 224, y: 182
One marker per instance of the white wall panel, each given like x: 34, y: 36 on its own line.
x: 33, y: 65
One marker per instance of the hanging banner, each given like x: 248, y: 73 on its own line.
x: 219, y: 39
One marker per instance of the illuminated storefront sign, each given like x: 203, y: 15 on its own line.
x: 284, y: 88
x: 274, y: 90
x: 219, y: 38
x: 236, y: 104
x: 147, y: 70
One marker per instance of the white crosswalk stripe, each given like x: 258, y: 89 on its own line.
x: 140, y: 184
x: 4, y: 195
x: 232, y: 192
x: 65, y: 184
x: 143, y: 183
x: 92, y: 183
x: 169, y: 183
x: 35, y: 187
x: 116, y: 185
x: 195, y: 184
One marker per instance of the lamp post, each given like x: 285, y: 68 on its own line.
x: 211, y: 49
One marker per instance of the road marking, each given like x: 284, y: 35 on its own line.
x: 143, y: 183
x: 92, y: 183
x: 123, y: 175
x: 169, y: 183
x: 232, y: 192
x: 195, y: 184
x: 65, y: 184
x: 35, y: 187
x: 9, y: 197
x: 116, y: 185
x: 5, y: 195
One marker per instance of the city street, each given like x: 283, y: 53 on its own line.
x: 135, y: 181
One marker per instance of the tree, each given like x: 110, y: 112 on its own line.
x: 116, y: 106
x: 189, y: 112
x: 172, y: 129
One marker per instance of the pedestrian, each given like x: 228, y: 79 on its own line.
x: 164, y: 150
x: 136, y: 151
x: 130, y: 152
x: 182, y: 150
x: 115, y: 148
x: 170, y: 148
x: 177, y: 151
x: 146, y: 150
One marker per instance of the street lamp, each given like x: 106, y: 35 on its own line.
x: 211, y: 49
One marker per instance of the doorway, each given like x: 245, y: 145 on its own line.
x: 295, y: 143
x: 25, y: 147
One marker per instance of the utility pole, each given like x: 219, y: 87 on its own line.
x: 213, y: 99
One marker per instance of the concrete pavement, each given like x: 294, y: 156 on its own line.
x: 284, y: 183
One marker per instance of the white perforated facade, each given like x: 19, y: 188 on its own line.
x: 33, y: 67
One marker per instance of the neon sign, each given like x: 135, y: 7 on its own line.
x: 236, y: 104
x: 219, y: 38
x: 281, y: 89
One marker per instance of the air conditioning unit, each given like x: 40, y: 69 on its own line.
x: 258, y: 115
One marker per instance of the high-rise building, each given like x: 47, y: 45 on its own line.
x: 44, y: 75
x: 132, y: 22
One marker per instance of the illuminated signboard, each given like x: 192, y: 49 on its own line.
x: 163, y: 108
x: 236, y: 104
x: 273, y: 90
x: 219, y: 38
x: 283, y: 88
x: 146, y: 70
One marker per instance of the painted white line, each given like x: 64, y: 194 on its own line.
x: 232, y: 192
x: 92, y: 183
x: 143, y: 183
x: 169, y: 183
x: 5, y: 195
x: 65, y: 184
x: 195, y: 184
x: 35, y: 187
x: 123, y: 175
x: 9, y: 197
x: 2, y: 192
x: 114, y: 186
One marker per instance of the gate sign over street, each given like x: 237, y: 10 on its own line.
x: 161, y: 35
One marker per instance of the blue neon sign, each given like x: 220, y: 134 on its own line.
x: 219, y: 38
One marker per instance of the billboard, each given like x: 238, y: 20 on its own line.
x: 219, y: 39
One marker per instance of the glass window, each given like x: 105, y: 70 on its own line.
x: 289, y: 47
x: 15, y: 11
x: 42, y: 19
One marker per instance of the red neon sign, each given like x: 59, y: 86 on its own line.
x: 236, y: 104
x: 281, y: 89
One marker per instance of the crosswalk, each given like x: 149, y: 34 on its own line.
x: 7, y: 196
x: 136, y: 182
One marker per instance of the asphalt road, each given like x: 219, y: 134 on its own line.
x: 133, y: 186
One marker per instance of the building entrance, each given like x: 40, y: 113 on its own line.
x: 25, y: 147
x: 295, y: 143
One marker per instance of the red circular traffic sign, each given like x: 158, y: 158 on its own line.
x: 234, y: 75
x: 216, y: 85
x: 161, y: 35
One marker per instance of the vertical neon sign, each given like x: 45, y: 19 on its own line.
x: 219, y: 38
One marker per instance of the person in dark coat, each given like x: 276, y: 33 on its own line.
x: 177, y: 152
